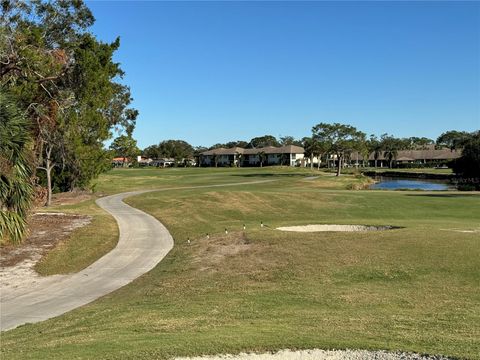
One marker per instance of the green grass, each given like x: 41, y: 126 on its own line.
x: 411, y: 289
x: 120, y: 180
x: 84, y: 245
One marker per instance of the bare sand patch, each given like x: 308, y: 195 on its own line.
x: 332, y: 227
x: 46, y: 231
x: 467, y: 231
x: 317, y: 354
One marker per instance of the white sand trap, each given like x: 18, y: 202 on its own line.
x: 325, y: 227
x: 468, y: 231
x: 317, y: 354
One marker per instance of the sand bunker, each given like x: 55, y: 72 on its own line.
x: 325, y: 227
x: 317, y: 354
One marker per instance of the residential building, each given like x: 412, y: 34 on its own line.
x: 290, y: 155
x: 427, y: 154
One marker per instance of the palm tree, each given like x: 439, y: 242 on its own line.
x: 16, y: 189
x: 262, y: 156
x: 314, y: 148
x: 391, y: 146
x: 308, y: 145
x: 239, y: 159
x: 374, y: 146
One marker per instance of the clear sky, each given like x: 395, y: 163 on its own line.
x: 209, y: 72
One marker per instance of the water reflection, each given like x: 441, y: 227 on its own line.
x: 391, y: 183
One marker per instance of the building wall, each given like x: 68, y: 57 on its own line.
x: 252, y: 160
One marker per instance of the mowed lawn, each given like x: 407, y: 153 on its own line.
x: 416, y: 288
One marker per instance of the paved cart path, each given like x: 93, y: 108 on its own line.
x: 143, y: 243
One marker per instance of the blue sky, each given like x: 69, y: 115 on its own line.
x: 209, y: 72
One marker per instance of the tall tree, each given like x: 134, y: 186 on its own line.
x: 197, y: 154
x: 420, y: 142
x: 65, y: 81
x: 125, y: 147
x: 152, y: 151
x: 262, y: 157
x: 338, y: 138
x: 468, y: 165
x: 289, y: 140
x: 238, y: 143
x: 263, y: 141
x: 308, y: 147
x: 176, y: 149
x: 391, y: 146
x: 314, y: 148
x: 453, y: 139
x: 15, y: 171
x: 375, y: 146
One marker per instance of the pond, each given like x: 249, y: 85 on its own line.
x: 391, y: 183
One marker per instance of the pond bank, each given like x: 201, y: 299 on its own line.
x: 410, y: 174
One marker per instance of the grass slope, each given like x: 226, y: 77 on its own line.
x: 413, y: 289
x: 85, y: 245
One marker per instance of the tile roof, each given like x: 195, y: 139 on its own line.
x: 289, y: 149
x: 429, y: 153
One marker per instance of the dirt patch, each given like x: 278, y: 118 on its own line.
x: 324, y: 227
x: 46, y: 231
x: 215, y: 249
x: 71, y: 197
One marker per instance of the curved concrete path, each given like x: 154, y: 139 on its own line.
x: 143, y: 243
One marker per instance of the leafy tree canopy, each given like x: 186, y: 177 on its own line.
x: 289, y: 140
x: 338, y: 138
x: 66, y: 81
x: 263, y: 141
x: 453, y: 139
x: 468, y: 165
x: 175, y: 149
x: 125, y: 146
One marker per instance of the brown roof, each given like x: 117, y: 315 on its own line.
x: 404, y: 158
x: 430, y: 153
x: 223, y: 151
x: 289, y: 149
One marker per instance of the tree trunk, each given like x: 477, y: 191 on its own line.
x: 339, y: 166
x: 375, y: 163
x: 49, y: 165
x: 318, y: 162
x: 49, y: 183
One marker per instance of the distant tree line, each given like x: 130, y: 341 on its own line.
x: 340, y: 141
x: 61, y: 100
